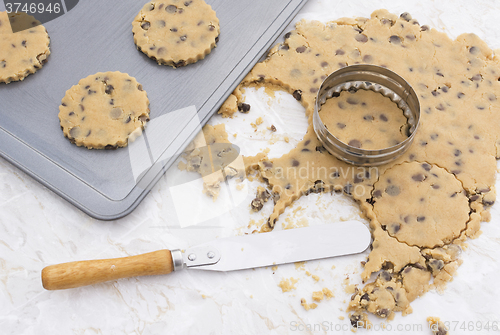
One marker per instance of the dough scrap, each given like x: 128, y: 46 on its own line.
x: 104, y: 111
x: 176, y: 32
x: 24, y: 52
x: 458, y: 140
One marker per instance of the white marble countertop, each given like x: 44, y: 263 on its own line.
x: 37, y: 228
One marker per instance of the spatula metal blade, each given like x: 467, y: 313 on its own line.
x: 280, y: 247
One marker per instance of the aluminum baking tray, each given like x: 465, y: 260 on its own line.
x: 97, y: 36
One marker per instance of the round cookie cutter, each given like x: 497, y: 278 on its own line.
x: 377, y: 79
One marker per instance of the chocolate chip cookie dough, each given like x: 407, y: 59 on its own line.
x: 24, y: 52
x: 176, y: 32
x: 104, y: 111
x: 364, y: 119
x: 423, y: 206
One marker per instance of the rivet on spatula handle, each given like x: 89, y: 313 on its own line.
x: 77, y: 274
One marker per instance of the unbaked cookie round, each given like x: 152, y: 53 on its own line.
x: 24, y: 52
x: 104, y: 111
x: 421, y: 204
x: 176, y: 32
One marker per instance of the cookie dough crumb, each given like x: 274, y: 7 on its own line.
x: 436, y: 326
x: 307, y: 306
x: 316, y: 278
x: 259, y: 121
x: 300, y: 265
x: 229, y: 107
x: 288, y: 284
x: 287, y: 139
x: 328, y: 294
x: 341, y: 317
x: 261, y: 198
x: 308, y: 273
x: 274, y: 268
x: 317, y: 296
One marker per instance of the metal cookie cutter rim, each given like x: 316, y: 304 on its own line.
x: 378, y: 79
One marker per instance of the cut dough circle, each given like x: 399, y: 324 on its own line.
x: 104, y: 111
x: 176, y: 32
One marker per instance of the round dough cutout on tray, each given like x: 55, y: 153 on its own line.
x: 24, y: 52
x: 176, y: 32
x: 104, y: 111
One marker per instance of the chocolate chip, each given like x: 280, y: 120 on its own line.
x: 297, y: 95
x: 341, y: 125
x: 115, y: 113
x: 367, y: 58
x: 435, y: 186
x: 3, y: 64
x: 348, y: 189
x: 439, y: 74
x: 420, y: 218
x: 395, y: 39
x: 383, y: 118
x: 392, y: 190
x: 161, y: 23
x: 355, y: 320
x: 183, y: 38
x: 211, y: 27
x: 187, y: 3
x: 405, y: 16
x: 23, y: 43
x: 145, y: 25
x: 418, y: 177
x: 171, y: 9
x: 143, y: 118
x: 440, y: 107
x: 444, y: 89
x: 174, y: 30
x: 476, y: 77
x: 257, y: 204
x: 320, y: 149
x: 368, y: 118
x: 110, y: 147
x: 474, y: 50
x: 377, y: 194
x: 352, y: 101
x: 295, y: 163
x: 355, y: 143
x: 88, y: 134
x: 474, y: 197
x: 361, y: 38
x: 74, y: 132
x: 288, y: 186
x: 460, y: 95
x: 339, y: 52
x: 109, y: 89
x: 395, y: 227
x: 301, y: 49
x: 128, y: 119
x: 180, y: 63
x: 267, y: 164
x: 243, y: 107
x: 81, y: 107
x: 383, y: 313
x: 324, y: 64
x: 287, y: 35
x: 273, y: 128
x: 434, y: 136
x: 71, y: 113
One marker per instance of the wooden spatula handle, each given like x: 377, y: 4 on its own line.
x: 76, y: 274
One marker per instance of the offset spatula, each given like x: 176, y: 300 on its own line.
x: 227, y: 254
